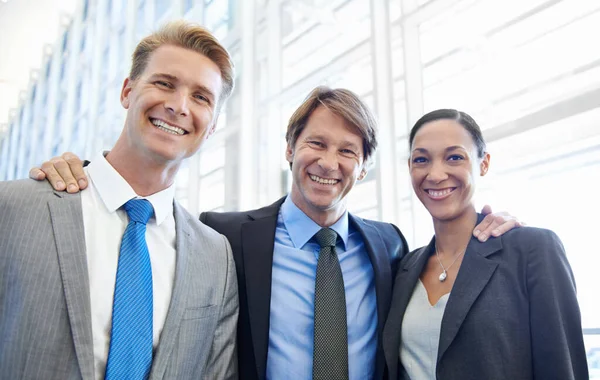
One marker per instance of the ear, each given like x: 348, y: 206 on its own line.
x: 484, y: 165
x: 363, y: 174
x: 289, y: 154
x: 125, y: 92
x: 213, y: 127
x: 408, y: 163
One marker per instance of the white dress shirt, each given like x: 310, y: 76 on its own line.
x: 104, y: 224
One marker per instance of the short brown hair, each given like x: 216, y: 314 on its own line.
x: 345, y: 104
x: 188, y: 36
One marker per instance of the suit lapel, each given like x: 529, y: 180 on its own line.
x: 380, y: 261
x: 405, y: 282
x: 67, y: 225
x: 474, y: 274
x: 258, y: 240
x: 185, y: 242
x: 381, y: 265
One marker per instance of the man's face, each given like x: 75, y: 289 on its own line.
x: 172, y: 105
x: 327, y: 160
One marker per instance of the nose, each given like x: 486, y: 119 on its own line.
x: 329, y: 160
x: 177, y: 104
x: 437, y: 172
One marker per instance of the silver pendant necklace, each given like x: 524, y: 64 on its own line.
x: 444, y: 273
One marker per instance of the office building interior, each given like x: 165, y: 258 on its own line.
x: 528, y: 72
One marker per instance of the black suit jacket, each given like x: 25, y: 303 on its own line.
x: 512, y: 313
x: 252, y: 237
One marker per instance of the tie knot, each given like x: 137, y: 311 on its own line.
x: 138, y: 210
x: 326, y: 237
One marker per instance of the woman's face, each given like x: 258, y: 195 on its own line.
x: 443, y: 166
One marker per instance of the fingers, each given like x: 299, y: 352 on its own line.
x: 479, y: 231
x: 64, y: 172
x: 486, y: 210
x: 495, y: 225
x: 37, y: 174
x: 76, y: 169
x: 56, y: 179
x: 505, y: 227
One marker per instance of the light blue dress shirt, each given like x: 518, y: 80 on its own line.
x: 293, y: 292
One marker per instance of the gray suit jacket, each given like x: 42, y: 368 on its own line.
x: 45, y: 321
x: 512, y: 313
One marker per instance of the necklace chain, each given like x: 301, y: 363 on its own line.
x: 444, y: 273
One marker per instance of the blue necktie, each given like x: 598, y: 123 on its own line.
x: 130, y: 353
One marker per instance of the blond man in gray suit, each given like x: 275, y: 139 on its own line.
x: 89, y: 289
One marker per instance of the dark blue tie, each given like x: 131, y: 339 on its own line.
x: 130, y: 353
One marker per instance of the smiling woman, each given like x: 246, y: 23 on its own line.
x: 440, y: 170
x: 503, y: 309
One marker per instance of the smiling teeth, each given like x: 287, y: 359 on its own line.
x: 167, y: 128
x: 323, y: 180
x: 439, y: 193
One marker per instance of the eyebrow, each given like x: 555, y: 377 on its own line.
x: 163, y: 75
x: 345, y: 144
x: 448, y: 149
x: 173, y: 78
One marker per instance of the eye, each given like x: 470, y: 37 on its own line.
x: 316, y: 144
x: 455, y: 157
x: 201, y: 98
x: 349, y: 152
x: 419, y: 160
x: 162, y: 83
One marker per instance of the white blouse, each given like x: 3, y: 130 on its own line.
x: 421, y: 327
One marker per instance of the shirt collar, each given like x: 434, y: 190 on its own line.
x: 301, y: 228
x: 115, y: 191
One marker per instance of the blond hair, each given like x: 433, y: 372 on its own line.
x: 345, y: 104
x: 188, y: 36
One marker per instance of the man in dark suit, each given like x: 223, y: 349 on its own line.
x: 332, y: 138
